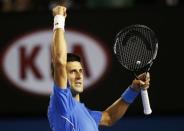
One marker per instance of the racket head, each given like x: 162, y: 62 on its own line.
x: 136, y: 47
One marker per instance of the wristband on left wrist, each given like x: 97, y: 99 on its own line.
x: 129, y: 95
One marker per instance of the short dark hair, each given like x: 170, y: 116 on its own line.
x: 73, y: 57
x: 70, y: 58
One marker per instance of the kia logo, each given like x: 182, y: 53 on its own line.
x: 26, y: 63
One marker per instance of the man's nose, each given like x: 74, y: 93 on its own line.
x: 79, y: 75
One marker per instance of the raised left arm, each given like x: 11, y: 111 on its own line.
x: 114, y: 112
x: 120, y: 106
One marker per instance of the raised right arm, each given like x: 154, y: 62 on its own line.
x: 59, y: 50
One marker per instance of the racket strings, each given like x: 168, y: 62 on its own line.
x: 134, y: 52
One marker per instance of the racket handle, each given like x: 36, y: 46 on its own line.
x: 146, y: 103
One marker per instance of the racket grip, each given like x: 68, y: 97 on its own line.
x: 146, y: 103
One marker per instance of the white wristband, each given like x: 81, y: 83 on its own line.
x: 59, y: 22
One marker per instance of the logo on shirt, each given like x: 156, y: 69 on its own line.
x: 26, y: 63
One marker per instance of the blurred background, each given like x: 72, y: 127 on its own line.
x: 91, y: 26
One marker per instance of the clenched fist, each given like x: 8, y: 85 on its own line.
x: 59, y: 10
x: 142, y: 82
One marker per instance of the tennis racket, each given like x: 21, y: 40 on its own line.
x: 136, y: 48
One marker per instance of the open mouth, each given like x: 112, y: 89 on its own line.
x: 78, y: 83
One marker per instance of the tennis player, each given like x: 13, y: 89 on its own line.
x: 65, y: 112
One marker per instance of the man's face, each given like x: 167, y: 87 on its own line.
x: 75, y: 76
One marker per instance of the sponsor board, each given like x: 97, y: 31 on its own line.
x: 26, y: 63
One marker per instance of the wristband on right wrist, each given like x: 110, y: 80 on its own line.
x: 129, y: 95
x: 59, y: 22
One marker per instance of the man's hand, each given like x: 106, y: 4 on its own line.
x: 59, y: 10
x: 142, y: 82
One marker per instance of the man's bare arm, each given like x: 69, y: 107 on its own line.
x: 59, y: 51
x: 120, y: 106
x: 114, y: 112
